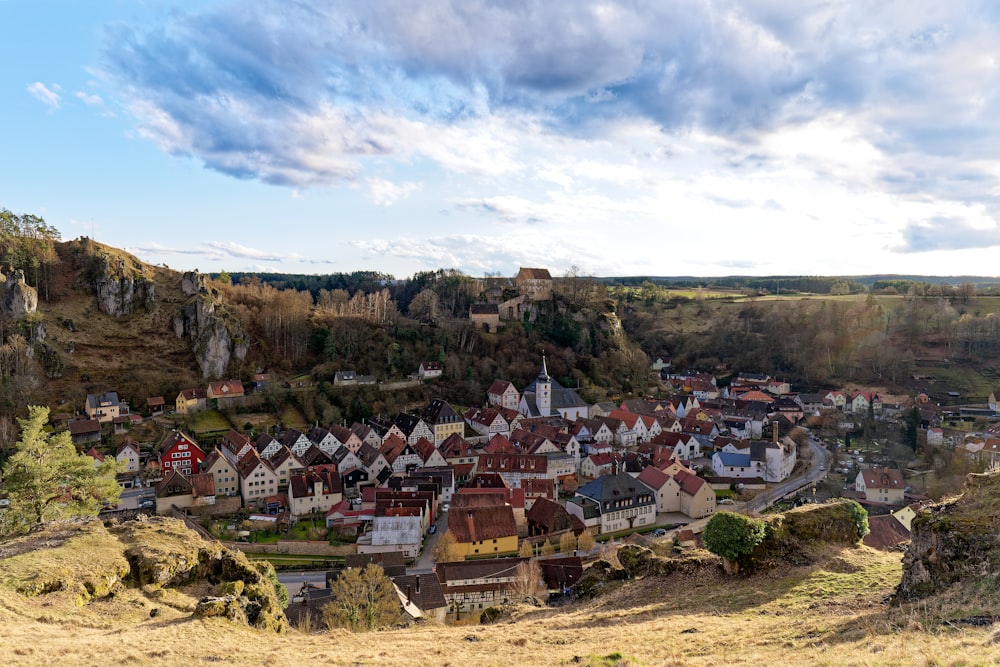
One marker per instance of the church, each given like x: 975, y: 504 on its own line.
x: 547, y: 398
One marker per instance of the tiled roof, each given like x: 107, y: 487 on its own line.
x: 886, y: 532
x: 882, y: 478
x: 476, y: 524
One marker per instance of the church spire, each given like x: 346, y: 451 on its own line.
x: 544, y: 375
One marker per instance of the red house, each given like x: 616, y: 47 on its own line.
x: 179, y: 451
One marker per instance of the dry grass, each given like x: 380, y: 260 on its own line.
x: 831, y: 613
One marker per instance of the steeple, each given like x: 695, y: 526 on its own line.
x: 543, y: 391
x: 544, y: 375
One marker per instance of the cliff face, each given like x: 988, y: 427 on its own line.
x: 955, y: 541
x: 217, y: 339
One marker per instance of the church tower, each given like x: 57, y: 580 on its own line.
x: 543, y: 391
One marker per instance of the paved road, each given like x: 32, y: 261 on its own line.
x: 425, y: 563
x: 293, y: 580
x: 820, y: 459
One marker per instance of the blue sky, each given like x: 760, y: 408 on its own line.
x: 625, y: 137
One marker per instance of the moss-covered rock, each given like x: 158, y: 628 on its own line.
x: 955, y: 541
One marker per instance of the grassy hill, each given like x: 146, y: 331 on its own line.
x: 831, y: 612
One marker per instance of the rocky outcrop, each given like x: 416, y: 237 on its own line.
x: 19, y: 297
x: 217, y: 339
x: 955, y: 541
x: 121, y: 284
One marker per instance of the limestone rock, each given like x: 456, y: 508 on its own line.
x: 19, y: 297
x: 217, y: 339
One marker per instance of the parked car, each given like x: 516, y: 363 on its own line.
x: 433, y: 529
x: 727, y: 501
x: 659, y: 532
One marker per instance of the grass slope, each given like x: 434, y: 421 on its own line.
x: 833, y: 612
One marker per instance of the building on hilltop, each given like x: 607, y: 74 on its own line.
x: 536, y: 284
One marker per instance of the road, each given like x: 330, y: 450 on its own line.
x: 426, y: 561
x: 293, y: 580
x: 820, y: 459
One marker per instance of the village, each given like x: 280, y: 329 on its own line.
x: 534, y: 472
x: 450, y: 500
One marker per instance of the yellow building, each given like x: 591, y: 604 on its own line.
x: 483, y: 531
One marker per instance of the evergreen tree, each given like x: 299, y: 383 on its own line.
x: 47, y: 479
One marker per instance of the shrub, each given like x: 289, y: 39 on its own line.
x: 733, y: 536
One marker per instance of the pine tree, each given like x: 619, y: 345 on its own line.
x: 46, y: 479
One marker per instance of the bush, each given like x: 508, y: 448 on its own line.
x: 733, y: 536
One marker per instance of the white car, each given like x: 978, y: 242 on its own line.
x: 727, y: 501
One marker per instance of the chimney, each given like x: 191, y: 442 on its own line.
x: 409, y: 592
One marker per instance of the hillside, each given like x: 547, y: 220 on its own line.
x: 830, y: 612
x: 135, y: 352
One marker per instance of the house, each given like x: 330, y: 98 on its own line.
x: 156, y: 405
x: 477, y: 584
x: 178, y: 451
x: 313, y: 492
x: 935, y: 436
x: 412, y: 428
x: 223, y: 472
x: 295, y: 440
x: 665, y: 489
x: 421, y: 596
x: 596, y: 465
x: 398, y: 529
x: 190, y: 401
x: 881, y: 485
x: 345, y: 378
x: 487, y: 422
x: 82, y: 431
x: 835, y: 399
x: 400, y: 455
x: 283, y: 463
x: 696, y: 495
x: 622, y: 502
x: 536, y: 284
x: 128, y: 456
x: 348, y: 520
x: 729, y: 464
x: 862, y: 401
x: 260, y: 381
x: 503, y: 394
x: 226, y: 393
x: 485, y: 316
x: 258, y: 480
x: 547, y: 516
x: 430, y: 456
x: 512, y: 468
x: 428, y: 370
x: 483, y: 530
x: 104, y: 407
x: 545, y: 397
x: 182, y: 491
x: 442, y: 419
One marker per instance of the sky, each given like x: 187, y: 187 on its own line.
x: 620, y: 137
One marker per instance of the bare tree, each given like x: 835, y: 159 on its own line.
x: 528, y: 582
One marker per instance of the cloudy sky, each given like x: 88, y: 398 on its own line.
x: 626, y: 137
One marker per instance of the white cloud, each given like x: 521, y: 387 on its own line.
x: 387, y: 193
x: 47, y: 96
x: 89, y: 98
